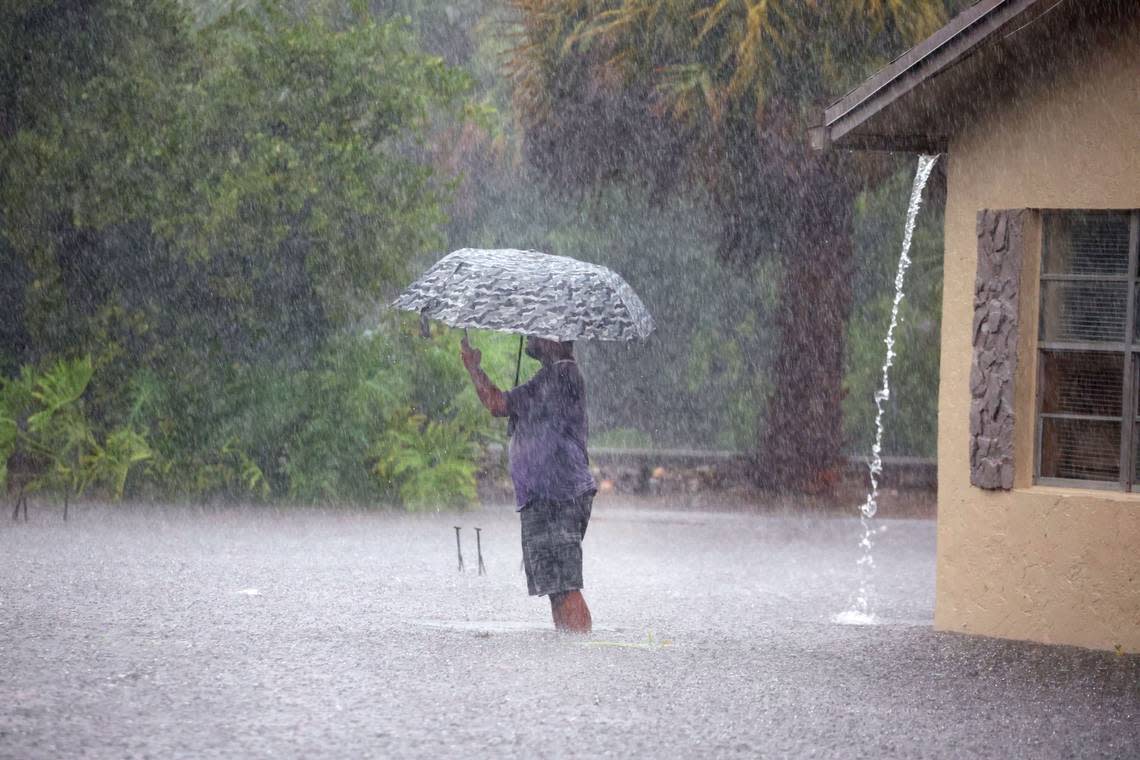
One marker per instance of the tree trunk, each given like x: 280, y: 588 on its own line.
x: 802, y: 444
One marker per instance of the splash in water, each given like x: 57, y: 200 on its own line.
x: 860, y: 612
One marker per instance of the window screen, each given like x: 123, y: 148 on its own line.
x: 1088, y: 428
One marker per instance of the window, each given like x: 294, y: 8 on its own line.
x: 1088, y: 415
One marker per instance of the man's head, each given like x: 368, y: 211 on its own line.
x: 547, y: 351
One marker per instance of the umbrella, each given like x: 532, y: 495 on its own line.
x: 528, y: 292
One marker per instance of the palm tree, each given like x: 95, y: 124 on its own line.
x: 671, y: 91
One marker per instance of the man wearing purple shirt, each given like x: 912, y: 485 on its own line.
x: 554, y: 489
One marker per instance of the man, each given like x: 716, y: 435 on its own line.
x: 554, y: 490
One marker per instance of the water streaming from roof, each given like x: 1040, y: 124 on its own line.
x: 860, y: 612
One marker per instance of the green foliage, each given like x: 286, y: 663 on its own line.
x: 109, y: 463
x: 428, y: 455
x: 44, y: 424
x: 54, y: 429
x: 316, y: 434
x: 428, y: 464
x: 9, y: 437
x: 245, y: 476
x: 310, y: 121
x: 227, y: 472
x: 366, y: 397
x: 258, y: 162
x: 56, y: 392
x: 208, y: 204
x: 383, y: 416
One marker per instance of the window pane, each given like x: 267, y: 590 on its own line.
x: 1080, y: 449
x: 1136, y: 318
x: 1082, y: 382
x: 1086, y: 243
x: 1083, y: 311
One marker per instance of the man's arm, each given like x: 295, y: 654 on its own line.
x: 493, y: 398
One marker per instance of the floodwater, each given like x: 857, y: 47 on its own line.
x: 253, y: 633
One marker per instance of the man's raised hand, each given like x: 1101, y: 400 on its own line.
x: 471, y: 356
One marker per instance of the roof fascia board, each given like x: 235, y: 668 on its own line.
x: 885, y: 143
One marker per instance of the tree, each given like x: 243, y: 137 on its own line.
x: 239, y: 190
x: 666, y: 91
x: 202, y: 205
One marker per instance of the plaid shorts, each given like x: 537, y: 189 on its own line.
x: 552, y: 533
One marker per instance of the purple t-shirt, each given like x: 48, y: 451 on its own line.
x: 548, y: 447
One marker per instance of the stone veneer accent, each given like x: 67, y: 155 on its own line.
x: 1000, y: 245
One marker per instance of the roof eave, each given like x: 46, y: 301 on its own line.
x: 906, y: 143
x: 934, y: 55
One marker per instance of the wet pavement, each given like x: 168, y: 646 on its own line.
x: 260, y: 633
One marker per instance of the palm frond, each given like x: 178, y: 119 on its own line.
x: 60, y: 386
x: 111, y: 462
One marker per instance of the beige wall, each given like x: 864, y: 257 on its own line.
x: 1046, y: 564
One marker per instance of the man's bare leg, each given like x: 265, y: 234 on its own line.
x: 571, y: 612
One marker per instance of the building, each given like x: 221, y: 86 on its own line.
x: 1036, y: 106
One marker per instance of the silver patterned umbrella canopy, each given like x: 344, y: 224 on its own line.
x: 528, y: 292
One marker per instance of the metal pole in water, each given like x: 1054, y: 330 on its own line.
x: 479, y: 550
x: 458, y: 549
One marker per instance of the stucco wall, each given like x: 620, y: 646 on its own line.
x: 1038, y: 563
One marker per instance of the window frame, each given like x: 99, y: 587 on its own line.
x: 1130, y: 349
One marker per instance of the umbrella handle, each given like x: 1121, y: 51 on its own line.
x: 518, y: 362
